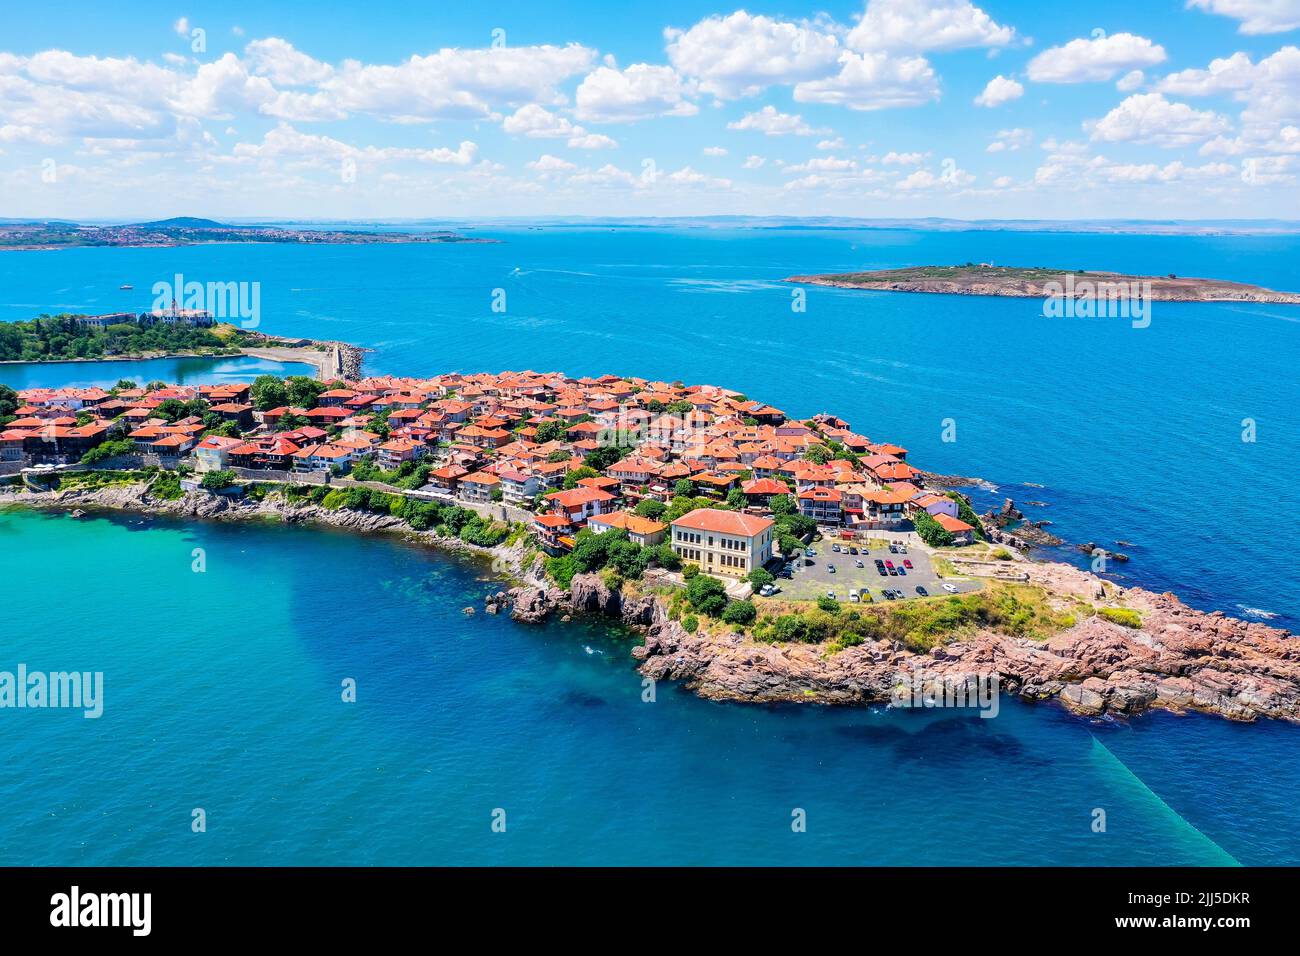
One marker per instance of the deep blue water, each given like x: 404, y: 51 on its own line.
x: 222, y: 691
x: 223, y: 686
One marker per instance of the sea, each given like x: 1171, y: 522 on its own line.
x: 473, y: 739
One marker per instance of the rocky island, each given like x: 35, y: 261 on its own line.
x: 1036, y: 283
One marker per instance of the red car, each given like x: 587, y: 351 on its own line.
x: 908, y: 565
x: 889, y: 564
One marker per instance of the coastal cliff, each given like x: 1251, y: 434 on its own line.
x: 1178, y: 659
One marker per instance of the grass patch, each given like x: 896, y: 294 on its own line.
x: 1123, y: 616
x: 1019, y: 610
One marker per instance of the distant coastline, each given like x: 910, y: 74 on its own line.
x: 1037, y: 283
x: 188, y: 231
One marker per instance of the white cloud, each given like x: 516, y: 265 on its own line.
x: 951, y: 177
x: 715, y: 151
x: 1256, y: 16
x: 686, y: 176
x: 903, y: 159
x: 182, y: 27
x: 1000, y: 90
x: 457, y: 83
x: 1095, y: 60
x: 1150, y: 118
x: 740, y: 54
x: 771, y: 122
x: 926, y: 25
x: 1010, y: 140
x: 546, y: 163
x: 283, y: 65
x: 836, y: 143
x: 1130, y: 81
x: 285, y: 142
x: 593, y: 141
x: 610, y: 95
x: 754, y: 162
x: 873, y: 81
x: 821, y: 164
x: 537, y: 122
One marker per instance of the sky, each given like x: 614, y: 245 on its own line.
x: 1009, y: 109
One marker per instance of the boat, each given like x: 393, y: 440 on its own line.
x: 126, y: 288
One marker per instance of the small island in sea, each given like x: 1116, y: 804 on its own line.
x: 188, y: 231
x: 762, y: 556
x: 1037, y: 282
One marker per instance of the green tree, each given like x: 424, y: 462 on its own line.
x: 649, y: 508
x: 759, y: 578
x: 706, y: 594
x: 572, y: 478
x: 739, y: 612
x: 684, y: 488
x: 268, y: 392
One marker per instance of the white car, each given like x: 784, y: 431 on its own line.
x: 950, y: 589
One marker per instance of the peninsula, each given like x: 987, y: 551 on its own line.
x: 1037, y: 283
x: 764, y: 557
x: 188, y: 231
x: 169, y: 333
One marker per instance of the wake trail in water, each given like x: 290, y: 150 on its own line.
x: 1104, y: 754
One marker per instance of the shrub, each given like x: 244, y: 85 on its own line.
x: 739, y: 612
x: 690, y: 571
x: 759, y: 578
x: 707, y: 595
x: 691, y: 623
x: 217, y: 480
x: 828, y: 604
x: 1001, y: 554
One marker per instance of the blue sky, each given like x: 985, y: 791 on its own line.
x: 882, y: 108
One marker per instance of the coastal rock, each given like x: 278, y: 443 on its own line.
x: 532, y: 605
x: 590, y: 593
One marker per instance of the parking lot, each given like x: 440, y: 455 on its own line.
x: 813, y: 576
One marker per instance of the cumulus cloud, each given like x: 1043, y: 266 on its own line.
x: 283, y: 65
x: 1095, y: 60
x: 715, y: 151
x: 1256, y: 16
x: 873, y: 81
x: 1010, y: 140
x: 926, y: 25
x: 457, y: 83
x: 546, y: 163
x: 1000, y: 90
x: 772, y: 122
x: 1150, y: 118
x: 754, y: 162
x: 740, y: 54
x: 611, y: 95
x: 286, y: 142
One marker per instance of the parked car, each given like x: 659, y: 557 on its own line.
x: 835, y: 548
x: 854, y: 596
x: 950, y: 589
x: 908, y: 565
x: 893, y: 572
x: 882, y: 572
x: 893, y: 549
x: 889, y: 564
x: 831, y: 595
x: 830, y: 568
x: 858, y: 564
x: 902, y: 573
x: 809, y: 553
x: 852, y: 550
x: 902, y: 549
x: 920, y: 589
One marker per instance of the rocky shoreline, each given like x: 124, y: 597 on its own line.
x: 1179, y: 660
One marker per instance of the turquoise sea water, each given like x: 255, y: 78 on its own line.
x: 222, y: 687
x: 178, y: 371
x: 222, y: 691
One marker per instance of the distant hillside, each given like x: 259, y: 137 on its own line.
x: 181, y: 222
